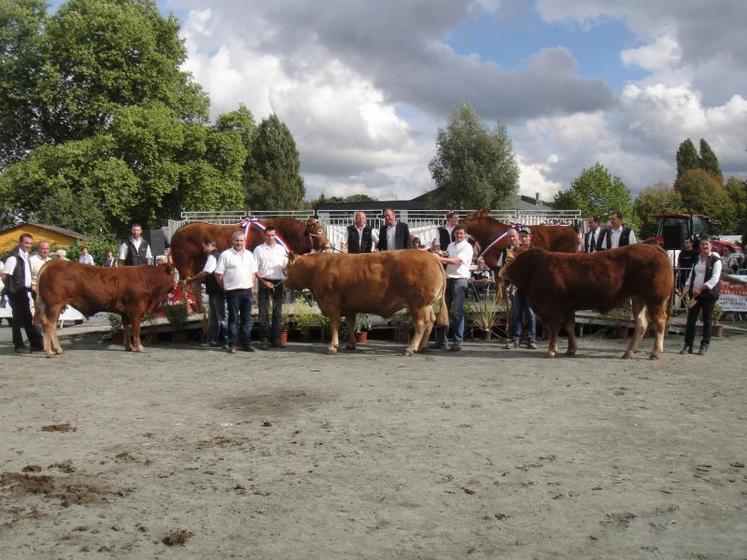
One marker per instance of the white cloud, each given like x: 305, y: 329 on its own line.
x: 662, y: 53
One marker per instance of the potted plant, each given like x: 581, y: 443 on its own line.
x: 283, y: 336
x: 718, y: 328
x: 482, y: 313
x: 303, y: 316
x: 362, y: 326
x: 402, y: 322
x: 177, y: 314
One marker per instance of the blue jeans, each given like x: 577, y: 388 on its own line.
x: 456, y: 294
x: 239, y: 309
x: 217, y: 325
x: 264, y: 295
x: 520, y: 306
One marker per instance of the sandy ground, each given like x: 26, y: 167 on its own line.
x: 292, y: 454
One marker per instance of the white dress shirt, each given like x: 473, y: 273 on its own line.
x: 210, y: 264
x: 237, y: 269
x: 699, y: 272
x: 86, y: 259
x: 36, y: 262
x: 391, y: 237
x: 10, y: 266
x: 271, y: 261
x: 593, y: 238
x: 463, y: 250
x: 374, y: 237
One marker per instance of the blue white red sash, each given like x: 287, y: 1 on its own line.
x: 250, y: 221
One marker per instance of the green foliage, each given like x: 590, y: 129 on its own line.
x: 21, y: 25
x: 273, y: 179
x: 303, y: 314
x: 474, y: 167
x: 362, y: 323
x: 708, y: 160
x: 597, y: 193
x: 564, y: 201
x: 657, y: 199
x: 242, y: 121
x: 482, y: 312
x: 177, y: 313
x: 703, y: 192
x: 334, y: 199
x: 737, y: 191
x: 687, y: 157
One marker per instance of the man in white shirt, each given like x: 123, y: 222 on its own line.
x: 85, y: 257
x: 37, y: 260
x: 217, y: 326
x: 17, y: 280
x: 135, y: 250
x: 272, y: 259
x: 444, y: 236
x: 235, y: 272
x: 617, y: 235
x: 362, y: 238
x: 457, y: 283
x: 591, y: 238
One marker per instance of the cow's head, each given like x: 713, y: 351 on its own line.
x: 317, y: 235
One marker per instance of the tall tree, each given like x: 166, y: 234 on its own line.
x: 21, y: 26
x: 687, y: 157
x: 274, y: 181
x: 596, y: 192
x: 737, y: 191
x: 703, y: 192
x: 474, y: 167
x: 708, y: 160
x: 656, y: 199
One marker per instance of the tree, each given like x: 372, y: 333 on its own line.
x: 21, y: 25
x: 474, y: 167
x: 687, y: 157
x: 703, y: 192
x: 736, y: 189
x: 241, y: 121
x: 597, y: 193
x: 657, y: 199
x: 708, y: 160
x: 273, y: 170
x: 563, y: 201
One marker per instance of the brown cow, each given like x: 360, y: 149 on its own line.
x: 485, y: 229
x: 558, y: 284
x: 186, y: 243
x: 381, y: 283
x: 130, y: 291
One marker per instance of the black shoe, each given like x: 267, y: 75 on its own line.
x: 455, y: 348
x: 230, y: 348
x: 23, y: 349
x: 214, y: 344
x: 438, y: 346
x: 686, y: 349
x: 703, y: 349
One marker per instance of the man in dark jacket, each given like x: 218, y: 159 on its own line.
x: 393, y: 234
x: 445, y: 232
x: 135, y: 250
x: 17, y: 280
x: 361, y: 237
x: 685, y: 261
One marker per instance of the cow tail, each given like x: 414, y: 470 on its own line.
x: 443, y: 313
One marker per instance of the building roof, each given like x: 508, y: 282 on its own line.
x: 56, y: 229
x: 424, y: 202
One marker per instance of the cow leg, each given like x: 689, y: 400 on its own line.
x: 419, y: 320
x: 350, y: 327
x: 48, y: 321
x: 552, y: 348
x: 658, y: 316
x: 334, y: 327
x: 639, y: 315
x: 126, y: 333
x: 569, y: 322
x: 430, y: 321
x: 136, y: 332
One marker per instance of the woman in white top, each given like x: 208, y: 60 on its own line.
x: 703, y: 290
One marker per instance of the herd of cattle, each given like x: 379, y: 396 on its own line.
x: 557, y: 279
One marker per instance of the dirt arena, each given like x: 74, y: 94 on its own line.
x: 184, y: 452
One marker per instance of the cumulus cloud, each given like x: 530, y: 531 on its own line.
x: 364, y: 86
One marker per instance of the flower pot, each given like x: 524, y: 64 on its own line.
x: 717, y: 330
x: 361, y: 337
x: 283, y: 338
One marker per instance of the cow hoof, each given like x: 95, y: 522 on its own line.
x: 408, y: 352
x: 139, y: 349
x: 550, y: 355
x: 58, y: 351
x: 654, y: 356
x: 49, y: 354
x: 332, y: 351
x: 628, y: 355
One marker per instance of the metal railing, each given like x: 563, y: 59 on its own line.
x: 422, y: 223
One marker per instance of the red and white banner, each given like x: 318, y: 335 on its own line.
x: 733, y: 293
